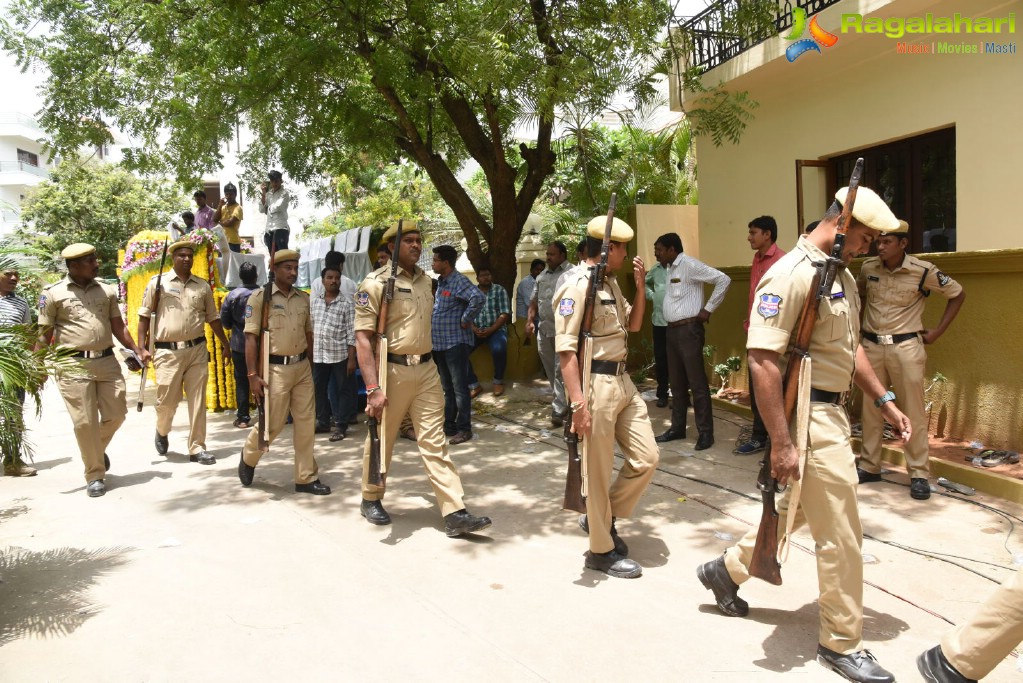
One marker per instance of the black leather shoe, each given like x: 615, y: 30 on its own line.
x: 866, y: 477
x: 935, y: 668
x: 245, y: 472
x: 858, y: 666
x: 317, y: 488
x: 670, y: 435
x: 613, y: 564
x: 161, y: 444
x: 620, y: 547
x: 919, y: 488
x: 714, y: 577
x: 557, y: 420
x: 461, y: 522
x: 96, y: 488
x: 106, y: 462
x: 662, y: 401
x: 703, y: 442
x: 203, y: 458
x: 374, y: 512
x: 322, y: 429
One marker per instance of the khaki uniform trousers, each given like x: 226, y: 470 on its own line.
x: 976, y: 647
x: 291, y: 390
x: 176, y: 370
x: 552, y: 368
x: 827, y: 505
x: 96, y: 404
x: 902, y: 366
x: 619, y: 414
x: 416, y: 390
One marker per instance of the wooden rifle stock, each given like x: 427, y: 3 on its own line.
x: 151, y: 334
x: 263, y: 357
x: 575, y: 498
x: 377, y: 447
x: 764, y: 564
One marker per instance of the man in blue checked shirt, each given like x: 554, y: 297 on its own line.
x: 489, y: 329
x: 455, y: 307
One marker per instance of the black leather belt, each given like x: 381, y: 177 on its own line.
x: 821, y: 396
x: 408, y: 358
x: 886, y: 339
x: 684, y: 321
x: 177, y: 346
x: 94, y: 354
x: 607, y: 367
x: 287, y: 360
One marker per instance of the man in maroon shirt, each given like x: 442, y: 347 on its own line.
x: 763, y: 233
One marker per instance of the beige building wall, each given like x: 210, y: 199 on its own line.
x: 653, y: 220
x: 860, y: 93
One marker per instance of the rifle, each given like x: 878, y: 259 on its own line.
x: 376, y: 435
x: 151, y: 333
x: 764, y: 563
x: 263, y: 356
x: 575, y: 498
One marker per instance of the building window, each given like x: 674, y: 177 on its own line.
x: 917, y: 178
x: 28, y: 158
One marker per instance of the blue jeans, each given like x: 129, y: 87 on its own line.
x: 498, y: 343
x: 335, y: 393
x: 241, y: 384
x: 453, y: 367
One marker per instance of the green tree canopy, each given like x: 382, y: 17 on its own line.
x: 322, y: 83
x: 101, y: 204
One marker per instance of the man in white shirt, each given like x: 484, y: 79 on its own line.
x: 524, y: 292
x: 686, y: 313
x: 274, y: 201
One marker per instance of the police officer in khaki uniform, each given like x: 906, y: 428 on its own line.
x: 971, y: 651
x: 895, y: 287
x: 613, y: 410
x: 82, y: 314
x: 289, y: 379
x: 185, y: 306
x: 413, y: 382
x: 827, y: 503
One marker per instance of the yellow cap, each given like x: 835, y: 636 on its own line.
x: 181, y: 244
x: 285, y: 255
x: 406, y: 226
x: 620, y: 230
x: 76, y: 251
x: 901, y: 231
x: 870, y: 210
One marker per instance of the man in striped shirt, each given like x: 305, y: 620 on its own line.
x: 333, y: 316
x: 686, y: 314
x: 14, y: 311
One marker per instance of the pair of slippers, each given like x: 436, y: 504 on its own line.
x: 992, y: 458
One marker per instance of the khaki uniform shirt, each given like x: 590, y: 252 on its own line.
x: 779, y: 300
x: 409, y: 317
x: 610, y: 316
x: 185, y: 307
x: 894, y: 300
x: 80, y: 316
x: 544, y: 291
x: 289, y: 320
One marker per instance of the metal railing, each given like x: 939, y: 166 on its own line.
x: 730, y: 27
x: 24, y: 167
x: 9, y: 118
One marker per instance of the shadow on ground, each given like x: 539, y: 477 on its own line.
x: 45, y: 594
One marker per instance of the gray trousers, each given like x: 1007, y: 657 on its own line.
x: 687, y: 373
x: 552, y: 367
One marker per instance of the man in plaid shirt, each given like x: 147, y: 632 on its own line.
x: 455, y: 307
x: 490, y: 329
x: 333, y: 354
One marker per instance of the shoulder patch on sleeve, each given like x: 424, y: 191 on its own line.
x: 769, y: 306
x: 566, y: 307
x: 248, y: 311
x: 942, y: 278
x: 362, y: 298
x: 42, y: 301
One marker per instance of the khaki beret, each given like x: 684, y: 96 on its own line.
x: 620, y: 230
x: 76, y: 251
x: 406, y: 226
x: 901, y: 231
x: 870, y: 209
x: 181, y: 244
x: 285, y: 255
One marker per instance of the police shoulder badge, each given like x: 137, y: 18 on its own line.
x: 942, y: 278
x: 42, y: 301
x: 769, y: 306
x: 362, y: 298
x: 566, y: 307
x: 248, y: 311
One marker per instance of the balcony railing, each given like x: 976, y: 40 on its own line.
x: 23, y: 167
x: 8, y: 118
x: 730, y: 27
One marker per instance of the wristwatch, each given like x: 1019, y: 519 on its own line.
x: 888, y: 396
